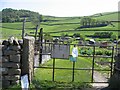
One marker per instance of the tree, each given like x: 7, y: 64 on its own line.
x: 36, y: 20
x: 12, y: 15
x: 85, y: 21
x: 82, y: 37
x: 76, y: 35
x: 113, y: 37
x: 62, y: 35
x: 48, y: 37
x: 92, y: 22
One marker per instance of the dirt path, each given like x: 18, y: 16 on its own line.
x: 98, y: 77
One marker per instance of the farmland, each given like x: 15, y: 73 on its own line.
x: 56, y: 26
x: 59, y: 25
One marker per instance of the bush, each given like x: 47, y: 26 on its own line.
x: 99, y: 53
x: 108, y: 53
x: 82, y: 51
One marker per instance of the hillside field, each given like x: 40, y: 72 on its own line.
x: 58, y: 25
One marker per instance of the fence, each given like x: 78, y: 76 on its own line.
x: 93, y: 56
x: 94, y: 47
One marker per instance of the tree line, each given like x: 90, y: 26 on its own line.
x: 11, y: 15
x: 87, y: 22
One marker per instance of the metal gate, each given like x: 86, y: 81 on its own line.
x: 47, y: 48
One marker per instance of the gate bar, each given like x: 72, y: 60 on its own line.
x: 40, y: 44
x: 112, y: 61
x: 93, y: 64
x: 53, y: 69
x: 73, y: 71
x: 97, y: 69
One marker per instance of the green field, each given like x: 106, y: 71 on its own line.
x: 66, y: 75
x: 82, y: 62
x: 109, y: 16
x: 66, y: 25
x: 60, y: 25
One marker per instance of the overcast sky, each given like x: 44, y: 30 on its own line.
x: 63, y: 7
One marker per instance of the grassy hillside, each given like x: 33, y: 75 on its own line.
x: 61, y: 25
x: 108, y: 16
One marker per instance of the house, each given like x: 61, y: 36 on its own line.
x: 104, y: 44
x: 91, y: 41
x: 78, y: 38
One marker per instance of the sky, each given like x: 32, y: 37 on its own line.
x: 63, y: 8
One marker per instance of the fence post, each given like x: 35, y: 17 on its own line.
x: 23, y: 30
x: 112, y: 61
x: 53, y: 69
x: 40, y: 45
x: 93, y: 64
x: 73, y: 71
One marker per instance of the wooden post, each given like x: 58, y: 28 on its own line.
x: 36, y: 32
x: 40, y: 45
x: 23, y: 30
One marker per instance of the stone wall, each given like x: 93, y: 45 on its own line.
x: 16, y: 60
x: 10, y: 63
x: 1, y: 67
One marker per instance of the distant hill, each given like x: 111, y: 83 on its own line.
x: 52, y: 24
x: 107, y: 16
x: 13, y: 15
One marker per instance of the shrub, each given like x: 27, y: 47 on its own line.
x: 82, y: 51
x: 99, y: 53
x: 108, y: 53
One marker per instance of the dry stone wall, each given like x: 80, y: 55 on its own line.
x: 10, y: 63
x: 16, y: 60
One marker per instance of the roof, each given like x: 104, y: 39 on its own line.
x: 92, y: 40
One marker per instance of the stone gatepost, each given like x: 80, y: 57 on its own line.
x: 114, y: 82
x: 28, y: 57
